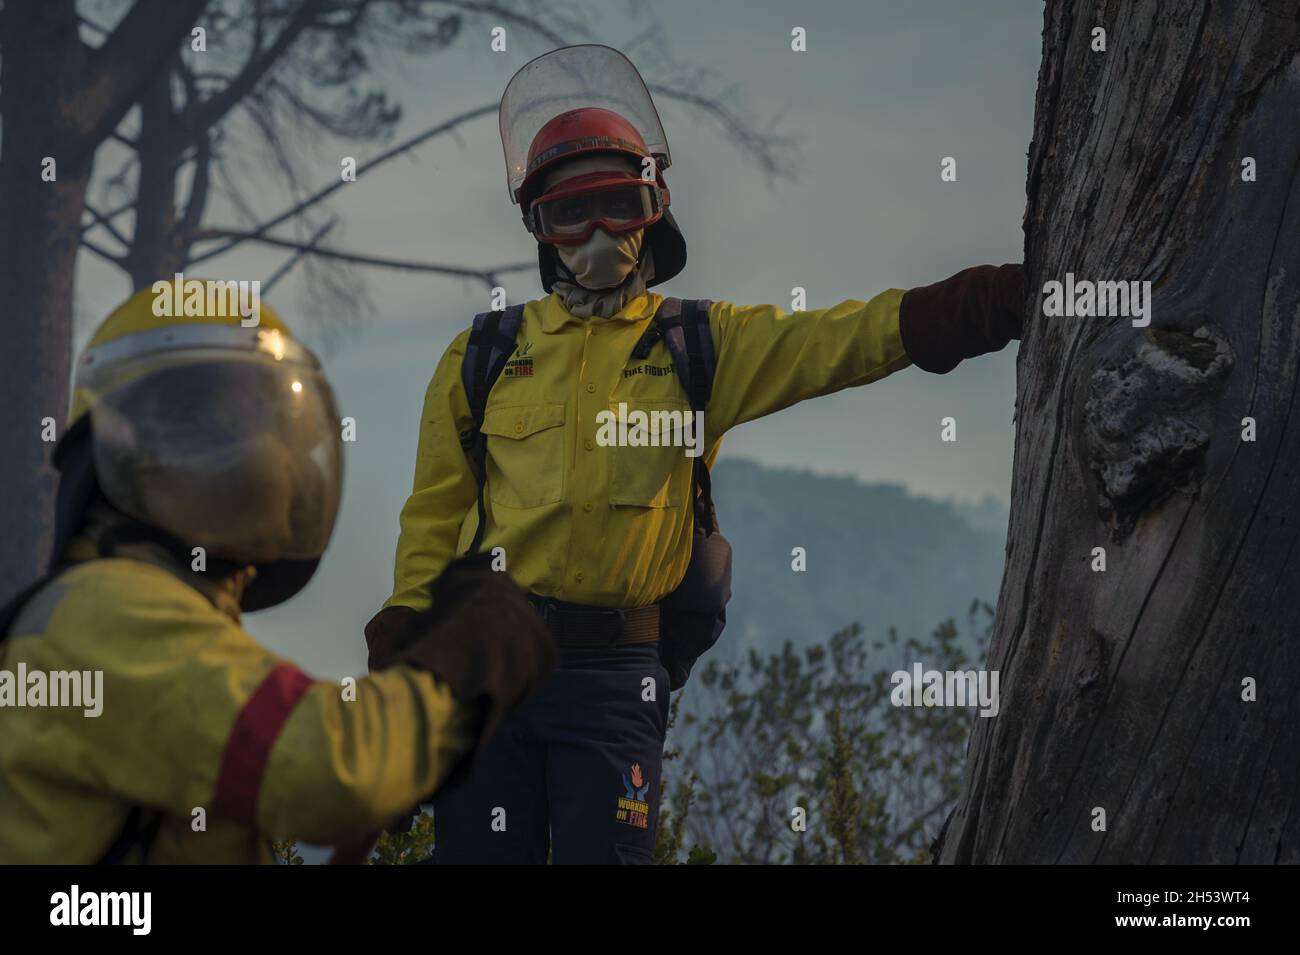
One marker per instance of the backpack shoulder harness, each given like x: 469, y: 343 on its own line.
x: 695, y: 612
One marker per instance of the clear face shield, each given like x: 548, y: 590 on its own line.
x: 226, y: 438
x: 574, y: 77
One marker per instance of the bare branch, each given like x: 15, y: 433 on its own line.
x: 314, y: 198
x: 762, y: 147
x: 270, y: 282
x: 128, y: 61
x: 210, y: 111
x: 198, y: 199
x: 102, y: 220
x: 274, y: 135
x: 487, y: 276
x: 111, y: 214
x: 512, y: 16
x: 118, y: 260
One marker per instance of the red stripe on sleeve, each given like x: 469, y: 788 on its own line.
x: 249, y: 746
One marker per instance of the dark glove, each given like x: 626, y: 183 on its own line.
x: 387, y: 630
x: 976, y: 311
x: 481, y: 637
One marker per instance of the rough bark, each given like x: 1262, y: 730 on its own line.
x: 1123, y: 689
x: 60, y: 99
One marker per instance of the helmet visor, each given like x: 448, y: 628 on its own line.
x: 568, y: 216
x: 589, y: 75
x: 230, y: 450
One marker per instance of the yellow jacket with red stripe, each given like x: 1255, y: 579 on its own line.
x: 609, y: 525
x: 229, y: 743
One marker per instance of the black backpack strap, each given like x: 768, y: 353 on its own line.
x: 10, y: 611
x: 668, y: 315
x: 492, y: 341
x: 684, y: 327
x: 699, y: 351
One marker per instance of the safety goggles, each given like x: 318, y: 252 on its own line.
x: 570, y: 213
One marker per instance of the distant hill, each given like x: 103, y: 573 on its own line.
x: 875, y: 554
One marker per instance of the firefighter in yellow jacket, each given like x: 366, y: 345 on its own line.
x: 200, y: 477
x: 606, y: 535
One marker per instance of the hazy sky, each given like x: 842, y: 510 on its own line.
x: 884, y: 91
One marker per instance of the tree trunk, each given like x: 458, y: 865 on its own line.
x: 58, y: 99
x: 39, y: 226
x: 1127, y: 690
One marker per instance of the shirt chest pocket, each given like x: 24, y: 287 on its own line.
x: 651, y: 469
x: 525, y: 454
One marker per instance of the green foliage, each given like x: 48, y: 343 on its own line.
x: 816, y: 730
x: 699, y: 855
x: 392, y: 848
x: 405, y: 848
x: 672, y: 818
x: 286, y: 853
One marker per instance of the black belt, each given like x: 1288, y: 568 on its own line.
x: 576, y: 625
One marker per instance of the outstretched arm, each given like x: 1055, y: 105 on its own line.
x: 769, y: 359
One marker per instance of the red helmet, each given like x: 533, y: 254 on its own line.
x: 581, y: 132
x: 617, y: 200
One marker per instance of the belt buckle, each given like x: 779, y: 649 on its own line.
x: 622, y: 624
x: 553, y: 617
x: 545, y: 606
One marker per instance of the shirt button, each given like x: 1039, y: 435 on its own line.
x: 587, y: 507
x: 589, y: 444
x: 519, y: 426
x: 578, y: 575
x: 590, y: 388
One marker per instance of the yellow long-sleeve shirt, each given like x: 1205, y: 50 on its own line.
x: 610, y: 525
x: 197, y: 722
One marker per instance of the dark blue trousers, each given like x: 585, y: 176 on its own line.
x: 575, y: 770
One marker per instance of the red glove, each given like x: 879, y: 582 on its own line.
x: 976, y: 311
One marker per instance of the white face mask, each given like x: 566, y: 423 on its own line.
x: 604, y: 260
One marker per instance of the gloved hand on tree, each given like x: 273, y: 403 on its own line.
x: 976, y: 311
